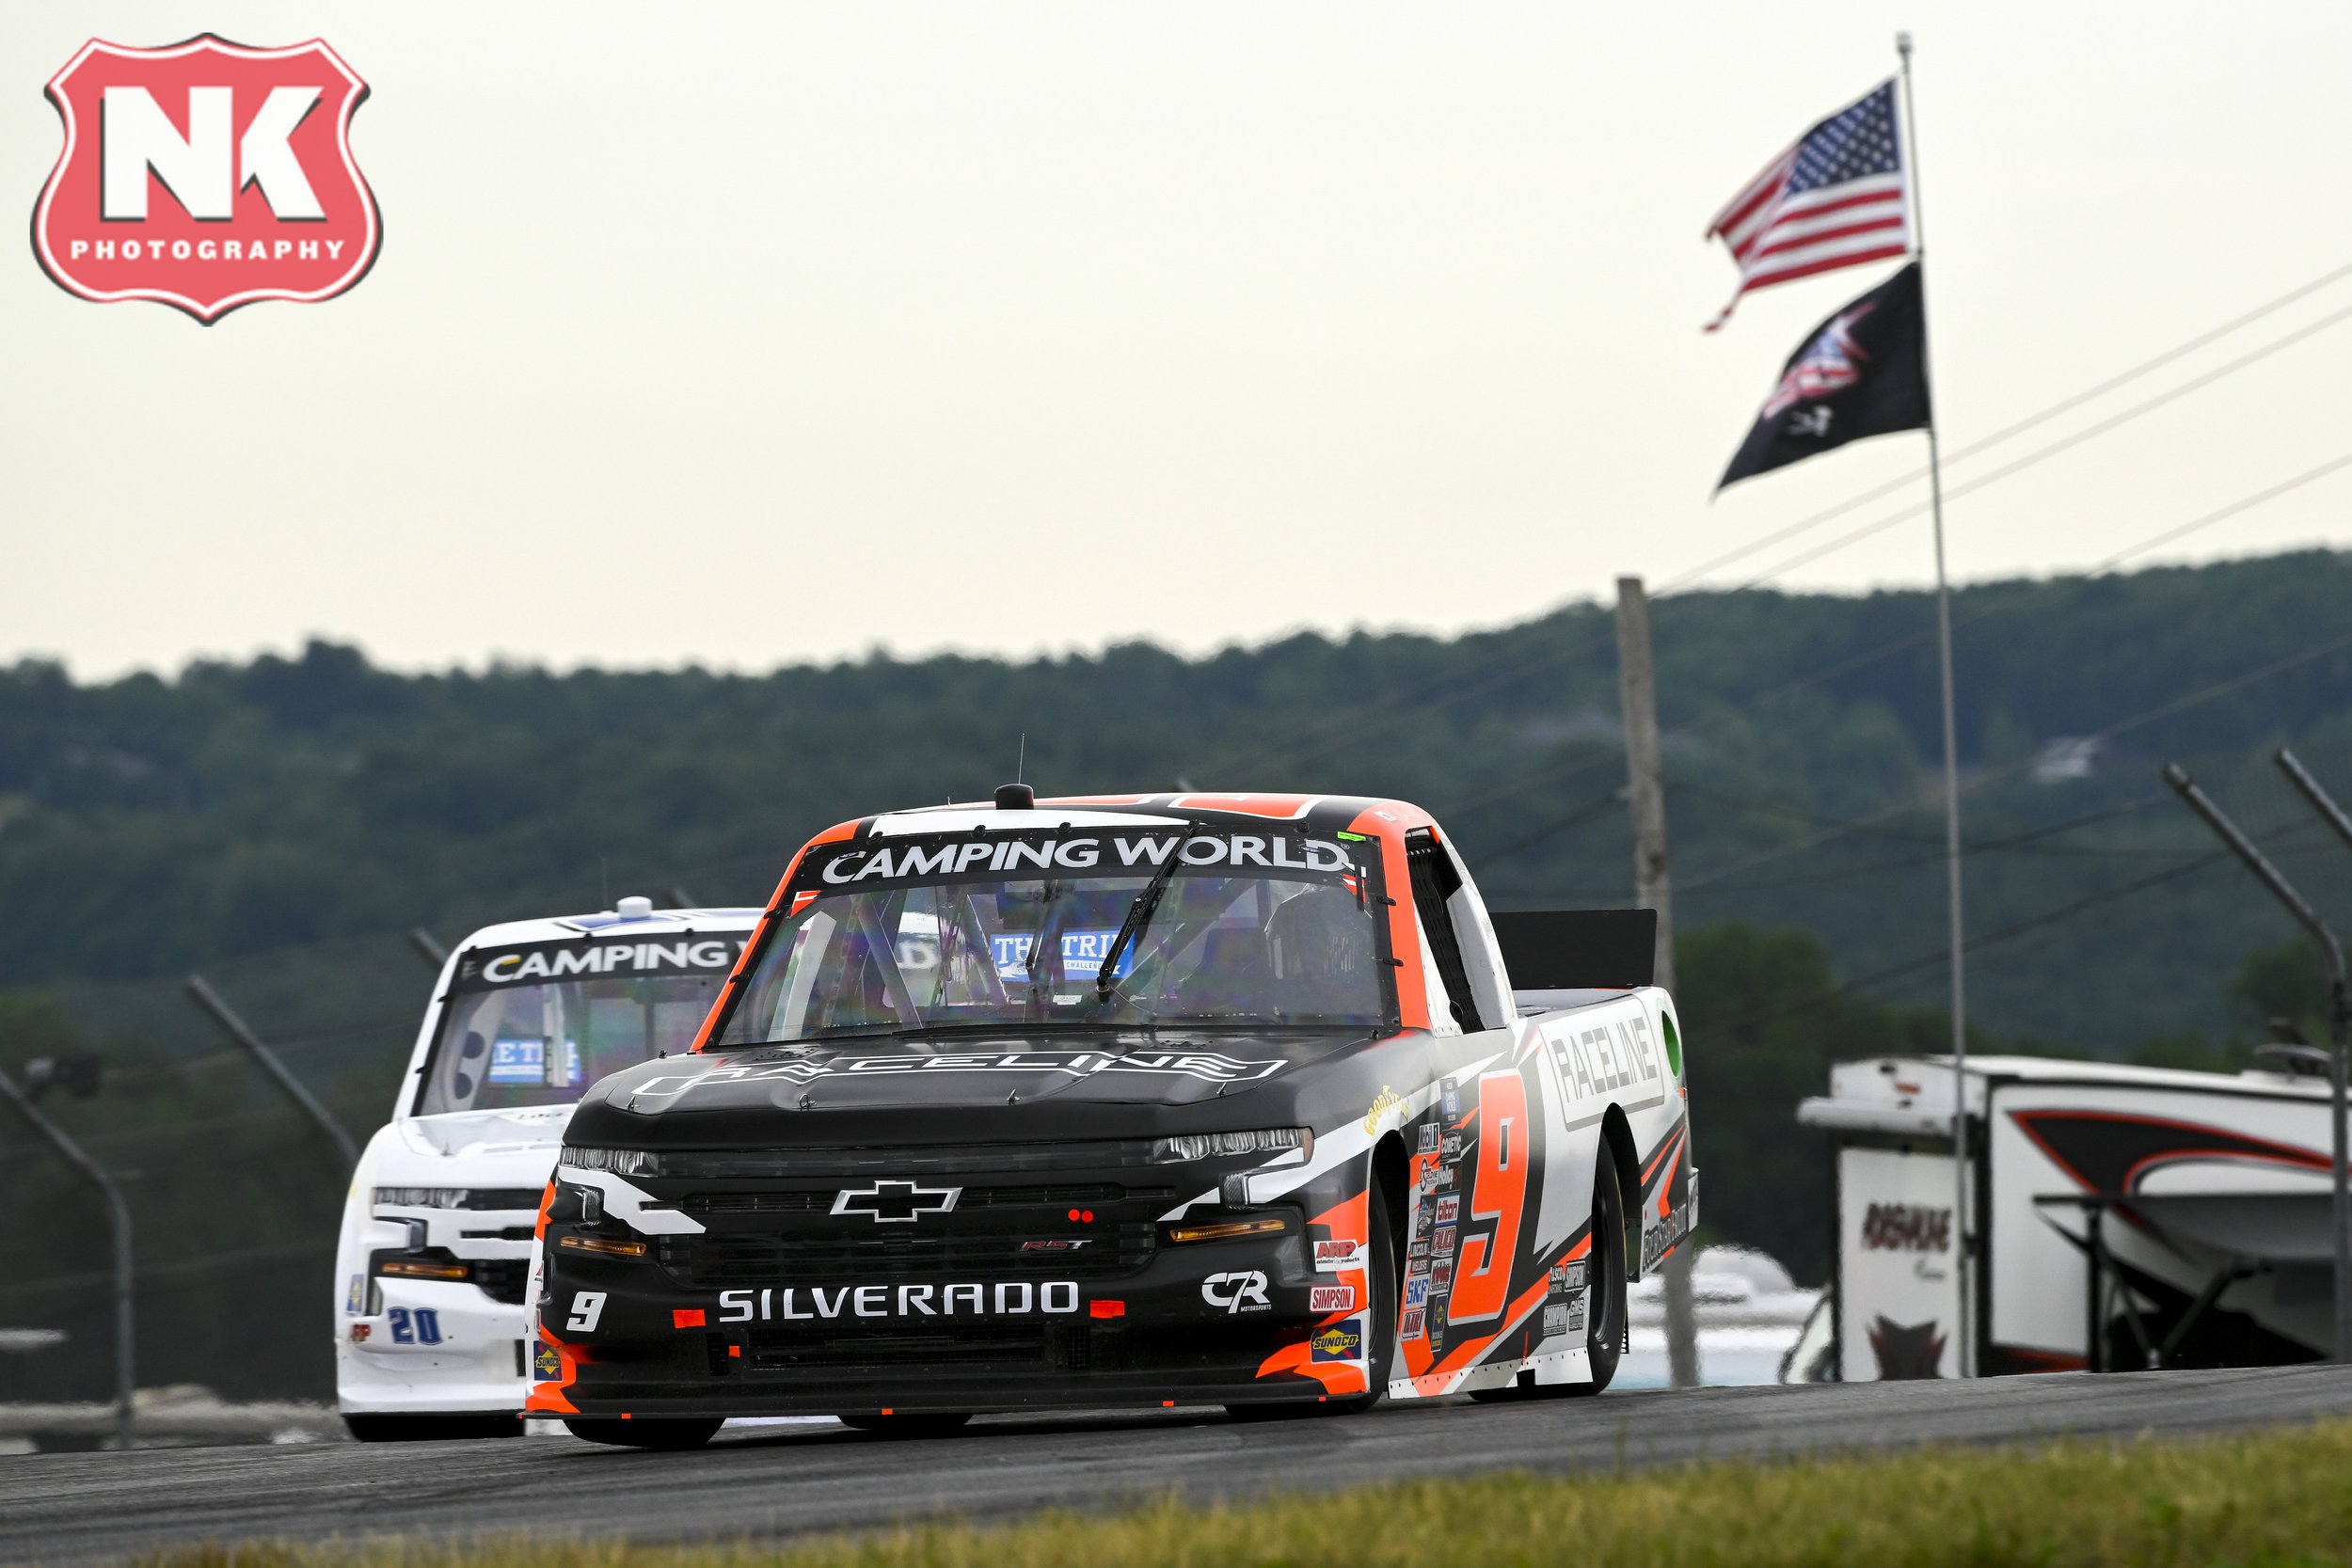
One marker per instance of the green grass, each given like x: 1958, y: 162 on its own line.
x: 2276, y: 1498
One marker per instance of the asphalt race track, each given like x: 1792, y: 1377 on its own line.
x: 779, y: 1482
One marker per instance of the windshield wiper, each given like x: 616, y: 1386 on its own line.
x: 1140, y: 915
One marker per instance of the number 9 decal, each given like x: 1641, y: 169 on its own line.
x: 587, y: 1306
x: 1483, y: 1282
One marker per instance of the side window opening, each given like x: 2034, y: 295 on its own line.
x: 1435, y: 883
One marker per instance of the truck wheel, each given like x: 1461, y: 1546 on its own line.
x: 430, y: 1429
x: 1605, y: 1316
x: 654, y: 1432
x: 913, y: 1424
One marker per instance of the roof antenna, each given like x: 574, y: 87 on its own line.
x: 1018, y: 796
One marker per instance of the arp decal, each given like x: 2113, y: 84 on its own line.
x: 1334, y: 1255
x: 206, y: 176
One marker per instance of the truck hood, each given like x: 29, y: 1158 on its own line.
x: 907, y: 1088
x: 529, y: 1131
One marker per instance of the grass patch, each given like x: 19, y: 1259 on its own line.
x: 2275, y: 1497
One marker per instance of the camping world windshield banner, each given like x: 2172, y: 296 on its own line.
x: 206, y: 176
x: 864, y: 863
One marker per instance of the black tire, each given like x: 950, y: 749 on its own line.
x: 666, y: 1433
x: 1605, y: 1311
x: 913, y: 1424
x: 1380, y: 1282
x: 431, y: 1429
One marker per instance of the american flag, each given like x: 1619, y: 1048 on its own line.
x: 1837, y: 199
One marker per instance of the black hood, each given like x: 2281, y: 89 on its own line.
x: 910, y: 1089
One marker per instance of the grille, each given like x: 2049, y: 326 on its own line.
x: 720, y: 1259
x: 1095, y: 1196
x: 1047, y: 1346
x: 503, y: 1279
x: 504, y: 1197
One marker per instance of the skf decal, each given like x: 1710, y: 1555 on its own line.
x: 206, y: 176
x: 1236, y: 1292
x: 1340, y: 1342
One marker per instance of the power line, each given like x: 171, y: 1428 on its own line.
x: 2066, y: 443
x: 1901, y: 644
x: 2163, y: 710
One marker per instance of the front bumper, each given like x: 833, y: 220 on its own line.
x: 476, y: 1359
x: 778, y: 1307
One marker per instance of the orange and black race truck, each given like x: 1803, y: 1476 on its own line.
x: 1242, y: 1099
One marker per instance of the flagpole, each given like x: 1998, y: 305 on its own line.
x: 1962, y: 1233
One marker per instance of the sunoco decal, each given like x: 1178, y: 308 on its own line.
x: 206, y: 176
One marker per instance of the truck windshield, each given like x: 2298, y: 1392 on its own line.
x: 932, y: 933
x: 513, y: 1034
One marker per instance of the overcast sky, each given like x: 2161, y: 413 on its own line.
x: 761, y: 333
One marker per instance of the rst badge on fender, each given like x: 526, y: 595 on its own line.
x: 206, y: 175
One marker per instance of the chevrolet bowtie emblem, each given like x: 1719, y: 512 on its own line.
x: 886, y: 1202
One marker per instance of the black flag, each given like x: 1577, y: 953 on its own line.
x: 1861, y: 373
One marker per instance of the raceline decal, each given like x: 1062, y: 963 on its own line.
x: 1606, y: 1057
x: 1011, y: 1298
x: 858, y: 863
x: 1208, y: 1066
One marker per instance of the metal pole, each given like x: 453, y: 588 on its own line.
x: 2340, y: 1051
x: 1653, y: 889
x: 1964, y: 1233
x: 210, y: 1001
x: 2339, y: 1023
x: 118, y: 1219
x: 429, y: 946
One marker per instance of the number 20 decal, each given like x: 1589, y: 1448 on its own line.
x: 587, y: 1306
x: 1484, y: 1283
x: 418, y: 1326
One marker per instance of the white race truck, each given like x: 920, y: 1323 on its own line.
x: 2124, y: 1217
x: 436, y: 1231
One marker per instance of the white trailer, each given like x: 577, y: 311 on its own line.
x: 2124, y: 1217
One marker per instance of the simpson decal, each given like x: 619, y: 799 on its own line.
x: 1332, y: 1298
x: 206, y: 176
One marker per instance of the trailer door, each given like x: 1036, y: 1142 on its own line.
x: 1899, y: 1292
